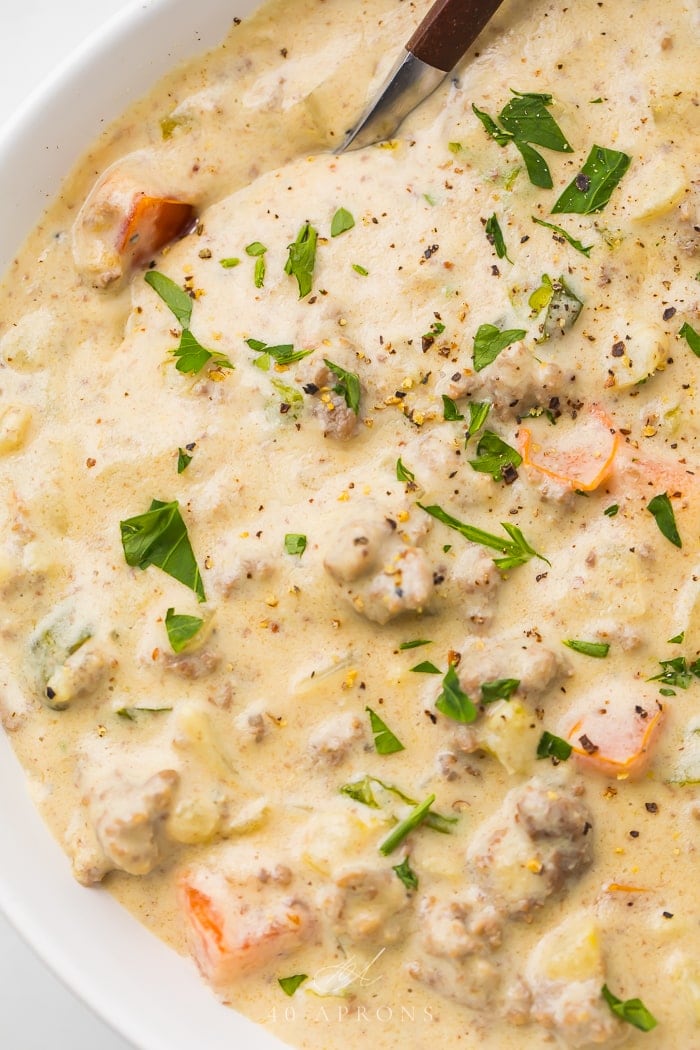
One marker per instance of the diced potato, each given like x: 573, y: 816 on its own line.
x: 571, y: 951
x: 193, y: 820
x: 14, y: 424
x: 685, y: 977
x: 685, y: 768
x: 687, y: 621
x: 27, y: 346
x: 646, y: 349
x: 656, y: 187
x: 509, y: 732
x: 338, y: 835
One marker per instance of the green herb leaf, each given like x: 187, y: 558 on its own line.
x: 361, y: 791
x: 175, y: 298
x: 662, y: 511
x: 492, y: 128
x: 406, y: 873
x: 527, y: 118
x: 691, y: 337
x: 414, y: 819
x: 677, y: 638
x: 493, y: 455
x: 384, y: 740
x: 289, y: 985
x: 478, y: 414
x: 677, y: 672
x: 494, y: 235
x: 597, y: 649
x: 633, y: 1011
x: 536, y: 166
x: 348, y: 387
x: 567, y: 236
x: 489, y: 341
x: 229, y: 262
x: 259, y: 272
x: 403, y: 473
x: 159, y: 537
x: 130, y: 713
x: 295, y: 543
x: 498, y: 689
x: 360, y: 269
x: 282, y: 354
x: 563, y: 306
x: 183, y: 460
x: 255, y: 249
x: 191, y: 356
x: 181, y: 629
x: 453, y: 701
x: 415, y: 644
x: 426, y: 667
x: 516, y: 550
x: 592, y: 188
x: 302, y: 258
x: 551, y: 746
x: 612, y: 510
x: 450, y: 411
x: 341, y: 221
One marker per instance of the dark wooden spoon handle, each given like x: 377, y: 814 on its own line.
x: 448, y: 29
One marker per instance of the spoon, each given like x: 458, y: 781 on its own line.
x: 435, y: 48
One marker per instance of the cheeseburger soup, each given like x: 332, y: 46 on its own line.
x: 349, y: 564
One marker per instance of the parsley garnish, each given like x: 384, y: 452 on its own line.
x: 181, y: 629
x: 384, y: 740
x: 229, y: 262
x: 406, y: 873
x: 494, y: 235
x: 257, y: 251
x: 289, y: 985
x: 282, y: 354
x: 414, y: 819
x: 612, y: 510
x: 348, y: 387
x: 302, y: 258
x: 592, y: 188
x: 494, y: 455
x: 450, y: 411
x: 453, y: 701
x: 517, y: 551
x: 403, y: 473
x: 691, y: 337
x: 525, y: 120
x: 361, y: 791
x: 563, y: 306
x: 159, y: 537
x: 597, y: 649
x: 498, y: 689
x: 567, y: 236
x: 478, y: 414
x: 342, y: 221
x: 191, y: 355
x: 660, y: 507
x: 551, y: 746
x: 415, y: 643
x: 130, y: 713
x: 426, y: 667
x: 360, y: 269
x: 183, y: 460
x: 633, y: 1011
x: 677, y: 672
x: 295, y: 543
x: 489, y: 341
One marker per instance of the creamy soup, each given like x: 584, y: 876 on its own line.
x: 349, y: 563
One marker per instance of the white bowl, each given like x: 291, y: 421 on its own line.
x: 145, y: 991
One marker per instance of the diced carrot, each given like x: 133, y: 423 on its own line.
x: 581, y: 457
x: 152, y: 223
x: 616, y: 740
x: 230, y: 935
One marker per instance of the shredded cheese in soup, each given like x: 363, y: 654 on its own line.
x: 349, y: 561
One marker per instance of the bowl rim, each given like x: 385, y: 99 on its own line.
x: 84, y: 936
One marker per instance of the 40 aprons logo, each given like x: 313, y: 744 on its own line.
x: 318, y: 1001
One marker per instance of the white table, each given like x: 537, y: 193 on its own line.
x: 36, y: 1011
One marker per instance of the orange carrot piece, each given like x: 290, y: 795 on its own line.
x: 616, y: 742
x: 152, y: 223
x: 582, y: 457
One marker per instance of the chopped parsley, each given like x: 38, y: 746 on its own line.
x: 361, y: 791
x: 567, y: 236
x: 190, y: 355
x: 414, y: 819
x: 426, y: 667
x: 453, y: 701
x: 385, y: 742
x: 282, y: 354
x: 498, y: 689
x: 450, y: 412
x: 478, y: 414
x: 633, y: 1011
x: 494, y: 457
x: 494, y: 235
x: 597, y: 649
x: 406, y: 873
x: 691, y: 337
x: 341, y: 222
x: 591, y: 189
x: 612, y: 510
x: 677, y: 672
x: 489, y: 341
x: 295, y: 543
x: 131, y: 713
x: 516, y: 550
x: 289, y: 985
x: 525, y: 120
x: 403, y: 473
x: 551, y: 746
x: 662, y: 511
x: 229, y: 262
x: 183, y: 460
x: 257, y: 251
x: 181, y: 629
x: 302, y: 258
x: 416, y: 643
x: 159, y: 537
x: 360, y: 269
x: 348, y: 386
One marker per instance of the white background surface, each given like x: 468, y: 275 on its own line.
x: 36, y: 1011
